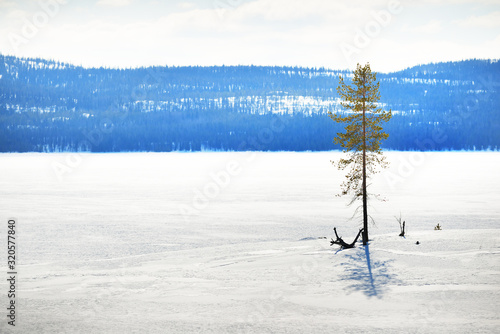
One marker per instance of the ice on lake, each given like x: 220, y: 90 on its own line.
x: 228, y: 242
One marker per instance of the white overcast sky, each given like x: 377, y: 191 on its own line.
x: 390, y: 34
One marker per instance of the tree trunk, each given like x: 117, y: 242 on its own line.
x: 365, y: 206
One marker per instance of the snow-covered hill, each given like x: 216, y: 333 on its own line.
x: 51, y: 107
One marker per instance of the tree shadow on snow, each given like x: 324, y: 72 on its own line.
x: 367, y: 275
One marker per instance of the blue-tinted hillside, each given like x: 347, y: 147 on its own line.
x: 50, y: 106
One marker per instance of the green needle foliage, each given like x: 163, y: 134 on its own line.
x: 363, y: 133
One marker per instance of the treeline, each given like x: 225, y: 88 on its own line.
x: 47, y: 106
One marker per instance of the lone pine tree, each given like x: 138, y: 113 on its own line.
x: 363, y: 133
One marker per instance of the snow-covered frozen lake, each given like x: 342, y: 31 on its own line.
x: 228, y: 243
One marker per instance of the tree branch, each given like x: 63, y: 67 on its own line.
x: 341, y: 242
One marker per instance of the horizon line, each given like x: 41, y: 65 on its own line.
x: 106, y: 67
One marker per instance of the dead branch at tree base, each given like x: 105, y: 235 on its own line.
x: 341, y: 242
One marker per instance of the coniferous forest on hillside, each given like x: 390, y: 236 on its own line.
x: 47, y: 106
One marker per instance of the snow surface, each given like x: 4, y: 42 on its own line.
x: 228, y: 243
